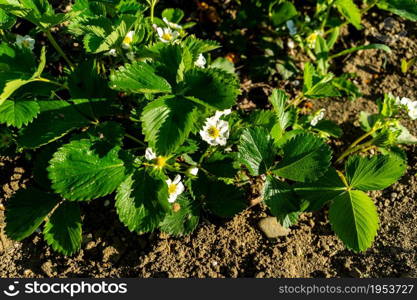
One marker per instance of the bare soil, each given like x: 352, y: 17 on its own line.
x: 236, y: 247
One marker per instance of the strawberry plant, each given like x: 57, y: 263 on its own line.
x: 143, y: 115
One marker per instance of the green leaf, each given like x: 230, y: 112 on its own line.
x: 283, y: 13
x: 309, y: 72
x: 305, y: 159
x: 323, y: 89
x: 197, y: 46
x: 220, y: 165
x: 350, y: 11
x: 6, y: 21
x: 172, y: 62
x: 229, y: 202
x: 404, y: 8
x: 139, y: 77
x: 215, y: 88
x: 85, y: 82
x: 280, y: 198
x: 223, y: 64
x: 284, y: 118
x: 55, y: 120
x: 13, y: 85
x: 167, y: 122
x: 79, y: 173
x: 363, y: 47
x: 374, y: 173
x: 256, y: 150
x: 26, y: 211
x: 354, y: 219
x: 322, y: 52
x: 18, y: 112
x: 173, y: 15
x: 322, y: 191
x: 183, y: 221
x: 141, y: 201
x: 328, y: 127
x: 63, y: 230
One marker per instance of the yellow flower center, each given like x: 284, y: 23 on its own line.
x: 172, y: 188
x: 213, y: 132
x: 160, y: 161
x: 167, y: 36
x: 26, y: 43
x: 127, y: 40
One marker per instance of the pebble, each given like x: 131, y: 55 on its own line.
x: 272, y: 229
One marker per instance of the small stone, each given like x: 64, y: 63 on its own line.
x: 394, y: 195
x: 272, y: 229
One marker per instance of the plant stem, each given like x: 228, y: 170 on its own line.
x: 135, y: 139
x: 63, y: 86
x: 59, y: 49
x: 297, y: 100
x: 153, y: 3
x: 352, y: 150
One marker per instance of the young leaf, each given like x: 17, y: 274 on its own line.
x: 305, y: 159
x: 139, y: 77
x: 63, y: 230
x: 375, y: 173
x: 229, y: 202
x: 404, y: 8
x: 79, y: 173
x: 18, y: 112
x: 256, y: 150
x: 279, y: 197
x: 141, y: 201
x: 213, y: 87
x: 167, y: 122
x: 354, y: 219
x: 350, y: 11
x: 56, y: 119
x: 183, y: 221
x: 26, y: 211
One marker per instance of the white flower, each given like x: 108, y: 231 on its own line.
x: 172, y: 25
x: 25, y: 41
x: 111, y: 52
x: 403, y: 101
x: 175, y: 188
x: 201, y: 61
x: 215, y: 131
x: 221, y: 113
x: 193, y: 171
x: 149, y: 154
x: 291, y: 44
x: 318, y: 116
x: 412, y: 109
x: 128, y: 40
x: 166, y: 35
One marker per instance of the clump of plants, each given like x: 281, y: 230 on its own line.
x: 143, y: 115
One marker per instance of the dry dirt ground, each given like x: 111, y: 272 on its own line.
x: 236, y: 247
